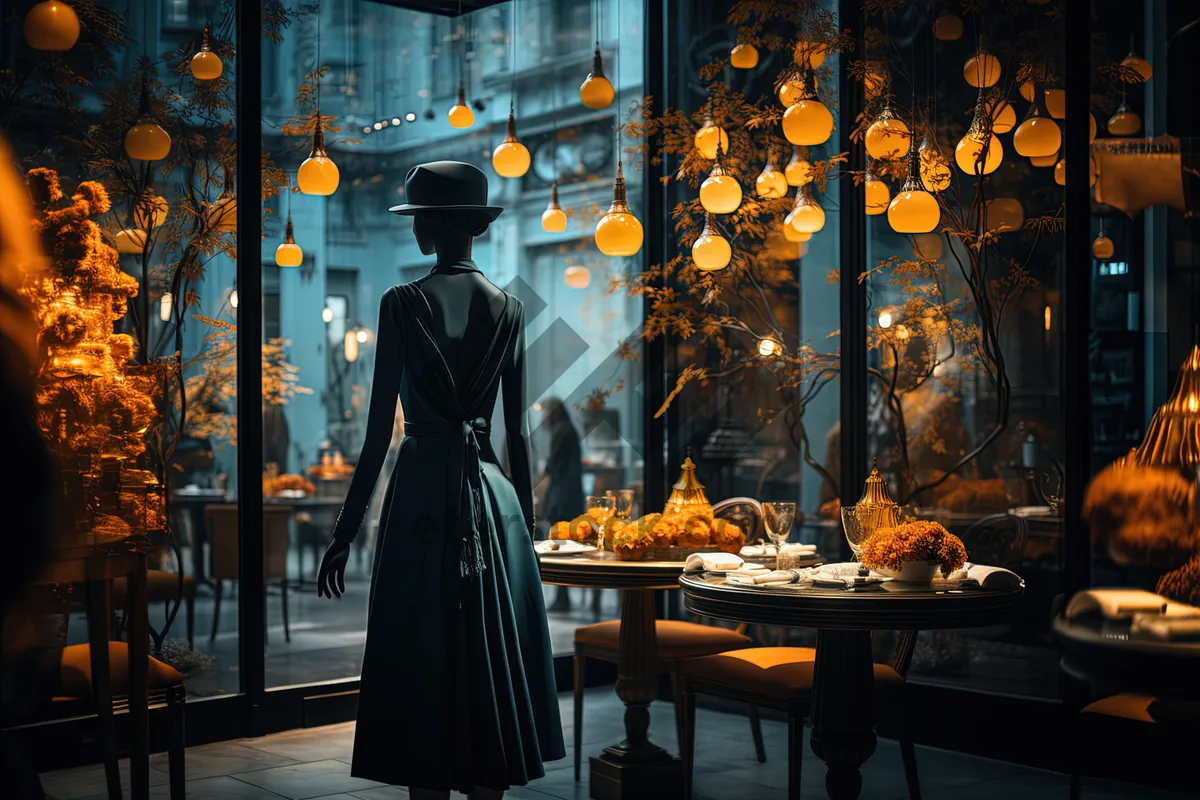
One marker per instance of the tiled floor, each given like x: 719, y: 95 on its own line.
x: 314, y: 763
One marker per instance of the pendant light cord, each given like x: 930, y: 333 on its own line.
x: 318, y: 20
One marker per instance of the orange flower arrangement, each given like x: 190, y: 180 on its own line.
x: 280, y: 483
x: 921, y: 540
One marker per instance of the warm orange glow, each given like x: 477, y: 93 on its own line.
x: 1056, y: 103
x: 1124, y: 122
x: 205, y: 64
x: 887, y: 138
x: 1037, y: 136
x: 743, y: 56
x: 318, y: 175
x: 768, y: 346
x: 791, y: 91
x: 1004, y: 117
x: 934, y: 168
x: 1139, y: 65
x: 1004, y: 214
x: 913, y: 210
x: 770, y: 183
x: 1102, y: 247
x: 596, y: 92
x: 51, y: 25
x: 711, y: 252
x: 619, y: 233
x: 510, y: 159
x: 967, y: 152
x: 877, y: 195
x: 147, y: 141
x: 709, y: 138
x: 806, y: 215
x: 577, y: 277
x: 948, y: 27
x: 808, y: 122
x: 982, y: 70
x: 798, y: 171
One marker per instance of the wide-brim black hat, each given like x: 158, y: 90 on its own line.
x: 446, y: 186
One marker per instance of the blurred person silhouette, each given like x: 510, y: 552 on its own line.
x: 458, y: 690
x: 26, y: 493
x: 563, y: 477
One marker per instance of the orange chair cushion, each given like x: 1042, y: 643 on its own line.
x: 676, y: 639
x: 160, y: 587
x: 76, y: 672
x: 782, y: 672
x: 1168, y: 712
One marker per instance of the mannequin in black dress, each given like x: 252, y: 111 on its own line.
x: 458, y: 687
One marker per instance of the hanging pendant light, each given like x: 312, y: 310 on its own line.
x: 982, y: 70
x: 618, y: 233
x: 806, y: 215
x: 554, y: 219
x: 1004, y: 215
x: 1136, y: 63
x: 978, y: 152
x: 935, y: 169
x: 1125, y: 122
x: 743, y: 56
x: 146, y: 140
x: 596, y: 92
x: 151, y: 212
x: 791, y: 90
x: 233, y: 299
x: 1091, y: 128
x: 711, y: 250
x: 288, y: 253
x: 792, y: 235
x: 770, y: 184
x: 927, y: 246
x: 460, y: 114
x: 510, y: 159
x: 1102, y: 247
x: 206, y: 65
x: 130, y: 241
x: 808, y: 55
x: 52, y: 25
x: 350, y: 347
x: 913, y: 210
x: 798, y: 171
x: 577, y: 276
x: 1055, y: 102
x: 888, y: 137
x: 1004, y: 116
x: 768, y: 346
x: 1038, y: 135
x: 710, y: 137
x: 877, y: 194
x: 808, y: 122
x: 165, y: 305
x: 1044, y: 161
x: 318, y: 175
x: 948, y: 27
x: 720, y: 193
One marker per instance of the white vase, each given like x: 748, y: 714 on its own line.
x: 921, y: 572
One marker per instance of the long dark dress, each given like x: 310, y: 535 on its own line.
x: 457, y: 683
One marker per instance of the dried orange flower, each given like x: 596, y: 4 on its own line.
x: 920, y: 540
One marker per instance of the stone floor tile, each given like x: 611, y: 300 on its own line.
x: 306, y: 781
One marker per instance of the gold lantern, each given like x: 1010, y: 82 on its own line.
x: 554, y: 219
x: 146, y: 140
x: 888, y: 137
x: 743, y: 56
x: 687, y: 498
x: 51, y: 25
x: 205, y: 64
x: 876, y: 509
x: 1173, y: 438
x: 711, y: 251
x: 720, y: 193
x: 710, y: 138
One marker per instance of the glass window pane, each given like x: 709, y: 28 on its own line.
x: 138, y: 392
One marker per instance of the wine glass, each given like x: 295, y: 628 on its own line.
x: 601, y: 510
x: 856, y: 532
x: 777, y: 520
x: 624, y: 508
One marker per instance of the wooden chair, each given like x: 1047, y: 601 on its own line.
x: 166, y: 689
x: 223, y: 554
x: 997, y: 540
x: 164, y: 587
x: 1156, y: 733
x: 782, y: 678
x: 676, y: 641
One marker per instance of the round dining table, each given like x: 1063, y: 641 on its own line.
x: 636, y: 767
x: 1109, y: 655
x: 843, y: 706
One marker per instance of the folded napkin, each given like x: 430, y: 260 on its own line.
x: 713, y: 562
x: 562, y: 546
x: 1115, y: 603
x: 768, y: 549
x: 979, y: 576
x: 841, y: 575
x: 762, y: 577
x: 1169, y: 628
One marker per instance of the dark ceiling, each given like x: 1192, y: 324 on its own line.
x: 447, y: 8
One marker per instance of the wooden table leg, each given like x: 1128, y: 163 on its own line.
x: 843, y: 712
x: 139, y: 685
x: 636, y: 768
x: 99, y: 614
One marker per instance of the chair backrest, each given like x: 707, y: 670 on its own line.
x: 223, y: 543
x: 745, y: 512
x: 997, y: 540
